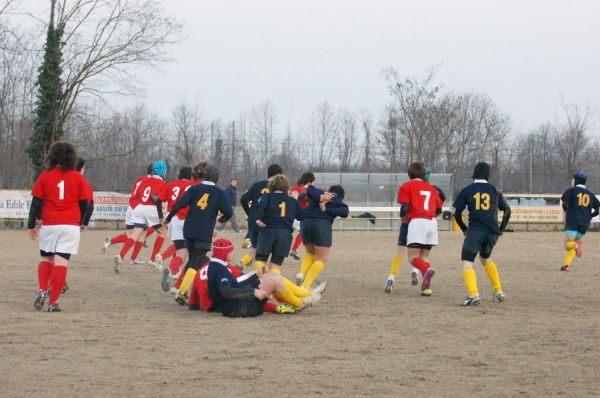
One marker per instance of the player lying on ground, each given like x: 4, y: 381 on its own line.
x: 303, y: 182
x: 580, y: 206
x: 483, y: 201
x: 60, y: 201
x: 316, y: 228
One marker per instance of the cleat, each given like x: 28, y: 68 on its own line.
x: 564, y: 268
x: 180, y: 299
x: 310, y: 301
x: 294, y: 255
x: 173, y: 290
x: 426, y: 284
x: 285, y: 309
x: 499, y: 297
x: 166, y: 279
x: 118, y: 262
x: 239, y: 265
x: 426, y: 292
x: 53, y: 308
x: 299, y: 278
x: 136, y: 262
x: 578, y: 248
x: 38, y: 304
x: 469, y: 301
x: 64, y: 289
x: 246, y: 244
x: 414, y: 277
x: 320, y: 288
x: 389, y: 284
x: 105, y: 245
x: 159, y: 259
x: 155, y: 264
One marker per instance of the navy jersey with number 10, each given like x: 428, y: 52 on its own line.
x: 578, y: 202
x: 483, y: 201
x: 280, y: 210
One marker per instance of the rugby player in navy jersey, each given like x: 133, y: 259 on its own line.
x: 249, y: 202
x: 580, y: 206
x: 205, y: 201
x: 483, y: 201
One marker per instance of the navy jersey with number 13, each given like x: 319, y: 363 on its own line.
x: 483, y: 201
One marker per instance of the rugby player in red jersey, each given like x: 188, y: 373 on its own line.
x: 303, y: 182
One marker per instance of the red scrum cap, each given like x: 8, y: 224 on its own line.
x: 221, y: 249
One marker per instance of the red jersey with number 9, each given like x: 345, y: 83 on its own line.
x: 172, y: 192
x: 422, y: 197
x: 60, y: 192
x: 150, y: 185
x: 202, y: 275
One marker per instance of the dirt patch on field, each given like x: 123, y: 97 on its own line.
x: 120, y: 335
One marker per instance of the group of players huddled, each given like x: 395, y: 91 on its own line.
x: 62, y: 206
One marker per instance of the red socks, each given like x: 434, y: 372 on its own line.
x: 180, y: 279
x: 118, y: 239
x: 297, y: 242
x: 194, y: 297
x: 270, y: 307
x: 137, y: 248
x: 420, y: 264
x: 169, y: 251
x: 158, y: 242
x: 128, y: 244
x: 44, y: 272
x: 149, y: 232
x: 175, y: 264
x: 59, y: 277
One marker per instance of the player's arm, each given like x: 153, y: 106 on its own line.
x: 182, y: 203
x: 35, y: 212
x: 404, y: 208
x: 261, y: 207
x: 564, y: 199
x: 439, y: 205
x: 318, y: 195
x: 245, y: 200
x: 440, y: 193
x: 503, y: 205
x: 234, y: 292
x: 459, y: 206
x: 300, y: 212
x: 83, y: 209
x: 595, y: 206
x: 88, y: 214
x: 337, y: 209
x: 225, y: 208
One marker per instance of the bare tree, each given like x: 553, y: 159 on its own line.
x: 263, y: 118
x: 347, y: 140
x: 190, y: 133
x: 572, y: 137
x: 323, y: 127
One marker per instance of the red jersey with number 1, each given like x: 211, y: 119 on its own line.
x: 133, y: 199
x: 172, y: 192
x: 60, y: 192
x: 151, y: 185
x: 422, y: 197
x: 205, y: 301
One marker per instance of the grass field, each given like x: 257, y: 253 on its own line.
x: 121, y: 335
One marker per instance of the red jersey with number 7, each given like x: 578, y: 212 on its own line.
x: 172, y: 192
x: 422, y: 198
x: 60, y: 192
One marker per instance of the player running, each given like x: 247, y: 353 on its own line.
x: 303, y: 182
x: 252, y: 195
x: 483, y: 201
x: 580, y: 206
x: 60, y: 201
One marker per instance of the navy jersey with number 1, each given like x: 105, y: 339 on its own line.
x: 579, y: 204
x: 483, y: 201
x: 278, y: 210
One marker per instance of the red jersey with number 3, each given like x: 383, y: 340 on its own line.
x: 422, y: 197
x: 172, y: 192
x: 133, y: 199
x: 150, y: 185
x: 60, y: 192
x: 205, y: 301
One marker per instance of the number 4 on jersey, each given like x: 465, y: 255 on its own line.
x: 203, y: 201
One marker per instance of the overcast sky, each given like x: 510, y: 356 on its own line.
x: 522, y: 53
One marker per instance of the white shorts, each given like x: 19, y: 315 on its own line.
x: 145, y: 215
x: 176, y: 228
x: 59, y: 238
x: 296, y: 225
x: 129, y: 216
x: 422, y: 231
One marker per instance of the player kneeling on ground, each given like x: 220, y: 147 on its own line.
x: 483, y: 201
x: 580, y: 206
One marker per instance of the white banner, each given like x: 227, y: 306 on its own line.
x: 107, y: 205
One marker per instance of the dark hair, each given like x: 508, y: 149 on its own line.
x: 211, y: 173
x: 273, y: 170
x: 61, y: 154
x: 279, y: 182
x: 580, y: 178
x: 198, y: 169
x: 338, y: 190
x: 416, y: 170
x: 185, y: 173
x: 80, y: 164
x: 306, y: 178
x: 149, y: 168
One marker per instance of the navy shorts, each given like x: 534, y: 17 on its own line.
x: 478, y: 242
x: 254, y: 234
x: 403, y: 234
x: 276, y: 243
x: 316, y: 231
x: 244, y: 307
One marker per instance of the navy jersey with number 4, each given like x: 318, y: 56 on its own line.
x: 483, y: 202
x: 579, y: 203
x: 253, y: 194
x: 278, y: 210
x: 205, y: 201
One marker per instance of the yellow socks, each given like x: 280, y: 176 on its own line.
x: 492, y: 273
x: 290, y: 298
x: 187, y: 281
x: 313, y: 272
x: 395, y: 267
x: 471, y: 282
x: 296, y: 290
x: 570, y: 246
x: 246, y: 260
x: 257, y: 264
x: 307, y: 261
